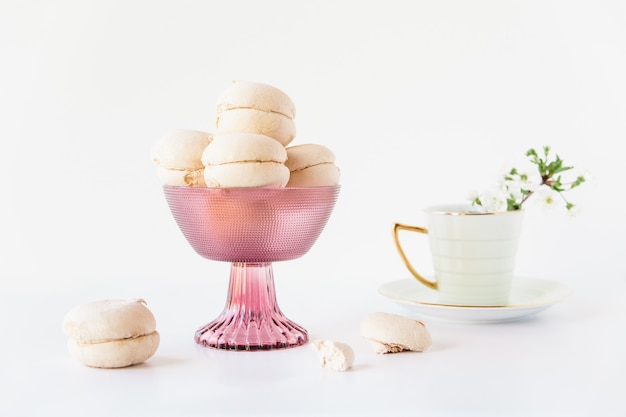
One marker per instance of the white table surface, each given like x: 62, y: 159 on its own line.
x: 569, y: 360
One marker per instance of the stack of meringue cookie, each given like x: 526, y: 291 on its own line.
x: 250, y: 148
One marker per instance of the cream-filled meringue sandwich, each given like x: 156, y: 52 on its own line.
x: 244, y: 160
x: 111, y: 333
x: 311, y: 165
x: 252, y: 107
x: 178, y: 157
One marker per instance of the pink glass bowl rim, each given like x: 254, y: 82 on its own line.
x: 251, y: 224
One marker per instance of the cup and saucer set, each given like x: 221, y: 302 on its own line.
x: 473, y: 257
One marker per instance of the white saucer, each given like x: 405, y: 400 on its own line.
x: 528, y: 296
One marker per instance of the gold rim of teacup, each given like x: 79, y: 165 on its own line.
x: 463, y: 210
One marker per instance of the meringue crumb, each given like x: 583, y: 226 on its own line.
x: 334, y: 356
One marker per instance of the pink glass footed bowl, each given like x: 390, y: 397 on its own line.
x: 251, y: 228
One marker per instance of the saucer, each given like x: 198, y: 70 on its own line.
x: 528, y: 296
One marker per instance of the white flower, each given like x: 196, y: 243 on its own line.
x: 528, y: 182
x: 547, y: 197
x: 494, y: 200
x: 520, y: 187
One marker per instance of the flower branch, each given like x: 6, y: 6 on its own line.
x: 517, y: 187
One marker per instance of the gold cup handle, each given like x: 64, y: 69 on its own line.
x: 396, y: 228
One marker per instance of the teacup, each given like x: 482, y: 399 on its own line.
x: 473, y: 253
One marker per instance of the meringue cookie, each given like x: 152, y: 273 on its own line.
x: 111, y: 333
x: 274, y: 125
x: 177, y: 156
x: 391, y: 333
x: 245, y: 160
x: 311, y: 165
x: 254, y: 95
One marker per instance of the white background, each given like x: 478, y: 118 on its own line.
x: 422, y: 102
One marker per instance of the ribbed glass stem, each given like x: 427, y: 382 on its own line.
x: 251, y: 319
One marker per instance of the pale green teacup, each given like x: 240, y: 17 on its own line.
x: 473, y: 253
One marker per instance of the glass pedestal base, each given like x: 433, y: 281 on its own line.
x: 251, y: 319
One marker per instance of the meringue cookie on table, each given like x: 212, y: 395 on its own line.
x: 391, y: 333
x: 111, y: 333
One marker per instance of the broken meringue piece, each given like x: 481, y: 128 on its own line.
x: 334, y: 356
x: 391, y: 333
